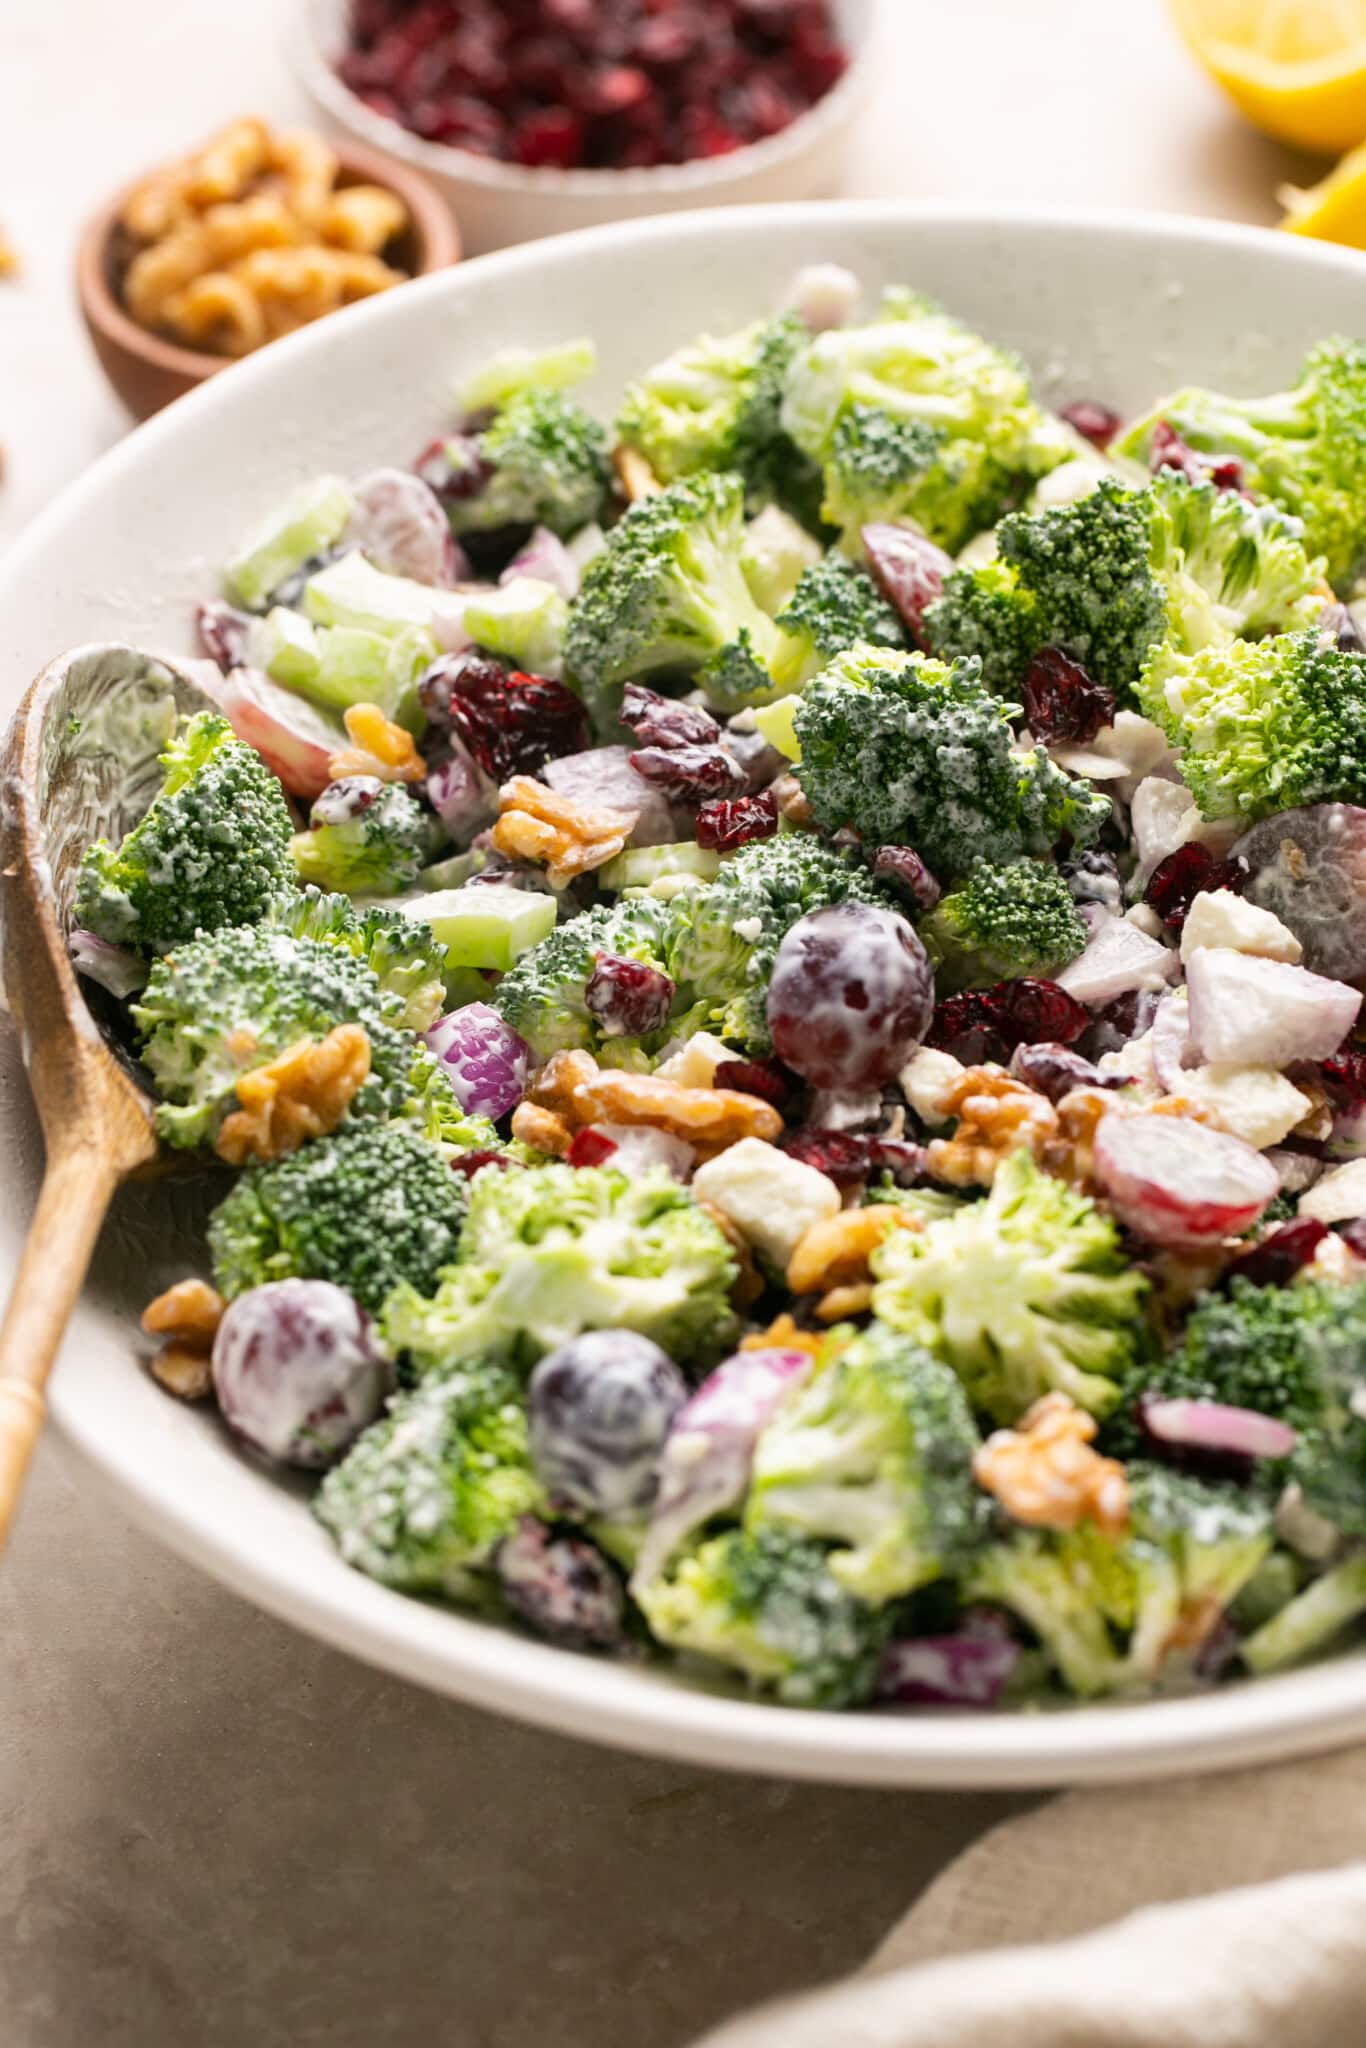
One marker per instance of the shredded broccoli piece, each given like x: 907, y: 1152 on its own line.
x: 543, y: 462
x: 371, y: 1207
x: 211, y: 850
x: 1228, y: 568
x: 1027, y: 1293
x: 1305, y: 448
x: 1111, y: 1612
x: 366, y: 837
x: 667, y: 593
x: 405, y: 956
x: 912, y: 752
x: 766, y: 1604
x: 542, y: 997
x: 1087, y: 569
x: 834, y: 607
x: 874, y: 1455
x: 714, y: 404
x: 725, y: 936
x: 1263, y: 726
x: 423, y: 1499
x: 232, y: 1000
x: 1002, y: 923
x: 552, y: 1251
x: 982, y: 437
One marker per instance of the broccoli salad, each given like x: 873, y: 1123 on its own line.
x: 778, y: 981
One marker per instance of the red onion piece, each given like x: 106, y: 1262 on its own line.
x: 1119, y: 957
x: 968, y: 1670
x: 545, y: 557
x: 293, y: 738
x: 1214, y: 1426
x: 485, y: 1061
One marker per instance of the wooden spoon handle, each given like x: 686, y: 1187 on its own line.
x: 77, y: 1187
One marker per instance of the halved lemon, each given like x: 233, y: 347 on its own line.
x: 1296, y: 68
x: 1334, y: 210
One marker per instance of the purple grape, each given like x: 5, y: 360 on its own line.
x: 851, y: 996
x: 600, y: 1410
x: 561, y: 1586
x: 1308, y: 867
x: 297, y: 1370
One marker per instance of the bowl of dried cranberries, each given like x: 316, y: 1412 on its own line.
x: 537, y: 116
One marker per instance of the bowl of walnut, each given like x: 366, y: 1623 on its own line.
x: 258, y: 232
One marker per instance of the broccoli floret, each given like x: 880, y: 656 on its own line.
x: 913, y: 752
x: 405, y: 956
x: 725, y: 936
x: 367, y: 837
x: 874, y: 1455
x: 834, y: 607
x: 1114, y: 1612
x: 714, y: 404
x: 982, y: 437
x: 1263, y: 726
x: 370, y: 1207
x: 543, y: 462
x: 212, y: 849
x: 543, y: 997
x: 552, y: 1251
x: 667, y: 593
x: 1305, y: 448
x: 766, y: 1604
x: 427, y: 1494
x: 1002, y: 923
x: 1026, y: 1293
x: 985, y: 612
x: 1119, y: 572
x: 230, y: 1001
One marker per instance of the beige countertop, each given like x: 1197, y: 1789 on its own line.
x: 213, y: 1831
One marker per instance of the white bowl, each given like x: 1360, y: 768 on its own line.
x: 497, y: 203
x: 1116, y: 307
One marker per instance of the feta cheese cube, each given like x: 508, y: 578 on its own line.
x: 1219, y: 918
x: 770, y: 1197
x: 1255, y: 1104
x: 1340, y: 1197
x: 694, y: 1064
x: 927, y: 1080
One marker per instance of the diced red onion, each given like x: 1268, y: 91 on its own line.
x: 294, y: 739
x: 603, y: 777
x: 967, y: 1670
x: 1171, y: 1044
x: 546, y: 558
x: 1118, y: 957
x: 1215, y: 1426
x: 823, y: 295
x: 484, y: 1059
x: 1178, y: 1183
x: 1253, y: 1012
x: 1347, y: 1139
x: 113, y: 967
x: 463, y: 797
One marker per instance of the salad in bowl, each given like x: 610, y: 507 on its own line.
x: 775, y: 985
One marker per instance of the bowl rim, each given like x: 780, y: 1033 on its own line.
x: 433, y: 223
x: 647, y: 1709
x: 701, y: 177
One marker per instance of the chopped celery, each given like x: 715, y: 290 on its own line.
x: 488, y: 926
x: 524, y: 621
x: 775, y: 722
x: 352, y: 592
x: 286, y: 647
x: 641, y: 866
x: 523, y: 369
x: 1311, y: 1620
x: 311, y: 519
x: 776, y: 553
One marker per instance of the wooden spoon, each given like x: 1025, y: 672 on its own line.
x: 79, y: 763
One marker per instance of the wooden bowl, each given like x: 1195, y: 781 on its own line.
x: 148, y: 370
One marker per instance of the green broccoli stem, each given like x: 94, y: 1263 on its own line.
x: 1312, y: 1620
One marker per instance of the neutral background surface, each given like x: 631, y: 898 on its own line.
x: 213, y: 1832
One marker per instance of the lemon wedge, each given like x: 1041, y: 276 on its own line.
x: 1334, y: 210
x: 1296, y: 68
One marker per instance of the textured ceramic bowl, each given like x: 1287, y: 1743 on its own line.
x: 148, y: 370
x: 1115, y: 307
x: 501, y: 203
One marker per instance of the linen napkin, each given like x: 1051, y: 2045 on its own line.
x: 1226, y: 1912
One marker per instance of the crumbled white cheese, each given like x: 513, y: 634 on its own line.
x: 927, y: 1080
x: 750, y: 929
x: 1145, y: 919
x: 1340, y: 1197
x: 1256, y: 1104
x: 770, y: 1197
x: 1219, y: 918
x: 694, y: 1064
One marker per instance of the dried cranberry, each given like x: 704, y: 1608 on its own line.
x: 908, y: 1164
x: 453, y: 468
x: 512, y: 724
x: 1061, y: 702
x: 1096, y: 423
x: 627, y: 997
x: 726, y: 825
x: 590, y: 1148
x: 470, y: 1163
x: 845, y: 1157
x: 1176, y: 881
x: 908, y: 875
x: 1278, y: 1257
x: 552, y: 137
x: 693, y: 773
x: 223, y: 634
x: 1346, y: 1072
x: 909, y: 571
x: 1012, y: 1013
x: 768, y: 1079
x: 1120, y: 1021
x: 665, y: 722
x: 1053, y: 1070
x: 1167, y: 450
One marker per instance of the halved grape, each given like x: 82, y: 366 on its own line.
x: 1308, y: 867
x: 297, y: 1370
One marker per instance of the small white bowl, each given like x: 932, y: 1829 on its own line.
x: 498, y: 203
